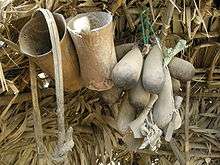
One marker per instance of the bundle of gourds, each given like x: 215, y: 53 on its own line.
x: 149, y: 108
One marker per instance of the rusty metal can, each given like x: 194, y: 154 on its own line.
x: 34, y: 41
x: 92, y: 34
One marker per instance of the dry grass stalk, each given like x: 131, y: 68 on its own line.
x: 38, y: 131
x: 187, y: 146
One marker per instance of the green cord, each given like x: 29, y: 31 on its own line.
x: 147, y: 29
x: 145, y: 38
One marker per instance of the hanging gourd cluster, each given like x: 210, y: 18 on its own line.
x: 150, y: 90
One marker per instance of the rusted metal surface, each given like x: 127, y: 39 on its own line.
x: 95, y: 48
x: 34, y: 40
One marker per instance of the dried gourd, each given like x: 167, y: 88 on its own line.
x: 123, y: 49
x: 127, y: 71
x: 126, y: 114
x: 181, y: 69
x: 164, y: 107
x: 138, y: 97
x: 153, y: 73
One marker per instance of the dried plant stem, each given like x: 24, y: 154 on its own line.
x: 168, y: 153
x: 187, y: 156
x: 207, y: 95
x: 177, y: 152
x: 50, y: 4
x: 202, y: 35
x: 16, y: 91
x: 212, y: 68
x: 152, y: 10
x: 202, y: 15
x: 2, y: 79
x: 166, y: 20
x: 115, y: 5
x: 173, y: 3
x: 11, y: 44
x: 22, y: 97
x: 38, y: 130
x: 188, y: 21
x: 128, y: 16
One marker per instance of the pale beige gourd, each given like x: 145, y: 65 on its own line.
x: 127, y: 71
x: 123, y: 49
x: 164, y: 107
x: 153, y: 73
x: 136, y: 124
x: 181, y: 69
x: 126, y: 114
x: 138, y: 97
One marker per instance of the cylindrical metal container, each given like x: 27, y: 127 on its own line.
x: 92, y: 34
x: 34, y: 41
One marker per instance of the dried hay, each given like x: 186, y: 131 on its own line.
x: 94, y: 123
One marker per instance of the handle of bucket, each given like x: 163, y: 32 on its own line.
x: 57, y: 59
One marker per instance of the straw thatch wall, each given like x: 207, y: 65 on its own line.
x: 93, y: 121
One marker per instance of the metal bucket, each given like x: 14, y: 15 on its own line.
x: 34, y: 41
x: 92, y: 34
